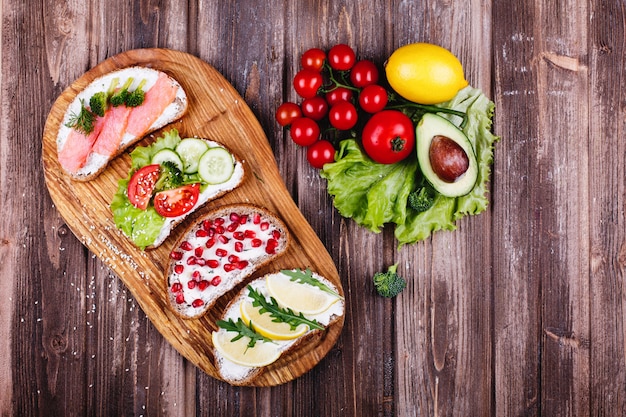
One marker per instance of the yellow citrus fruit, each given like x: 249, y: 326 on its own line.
x: 264, y: 325
x: 303, y: 298
x: 262, y: 354
x: 425, y: 73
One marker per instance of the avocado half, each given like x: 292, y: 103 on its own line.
x: 445, y: 155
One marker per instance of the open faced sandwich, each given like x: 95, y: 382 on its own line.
x: 271, y: 317
x: 168, y: 180
x: 112, y: 113
x: 218, y: 252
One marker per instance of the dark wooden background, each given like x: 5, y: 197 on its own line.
x: 520, y: 312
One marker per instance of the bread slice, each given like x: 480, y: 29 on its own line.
x: 218, y: 252
x: 78, y: 154
x: 238, y: 374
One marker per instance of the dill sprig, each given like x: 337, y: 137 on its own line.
x: 83, y: 121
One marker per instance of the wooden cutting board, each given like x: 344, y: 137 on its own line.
x: 216, y: 111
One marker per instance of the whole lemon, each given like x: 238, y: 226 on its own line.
x: 425, y: 73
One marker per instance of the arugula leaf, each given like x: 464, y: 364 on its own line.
x: 279, y: 314
x: 306, y: 277
x: 242, y: 330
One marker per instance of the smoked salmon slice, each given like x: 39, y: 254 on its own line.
x: 157, y: 98
x: 110, y: 137
x: 78, y: 146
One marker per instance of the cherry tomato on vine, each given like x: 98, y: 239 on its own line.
x: 306, y: 83
x: 315, y: 107
x: 364, y: 73
x: 313, y: 59
x: 341, y: 57
x: 320, y: 153
x: 388, y: 136
x: 304, y: 131
x: 338, y: 94
x: 373, y: 98
x: 343, y: 115
x: 287, y: 113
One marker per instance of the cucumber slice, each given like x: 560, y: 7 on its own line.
x: 167, y: 155
x: 216, y: 166
x: 190, y: 151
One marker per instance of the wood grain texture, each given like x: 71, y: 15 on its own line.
x: 215, y: 111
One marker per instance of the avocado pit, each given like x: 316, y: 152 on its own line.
x: 447, y: 159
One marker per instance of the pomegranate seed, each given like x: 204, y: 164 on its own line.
x: 202, y: 233
x: 191, y: 260
x: 229, y: 267
x: 180, y: 298
x: 178, y: 268
x: 276, y: 234
x: 202, y: 285
x: 223, y: 238
x: 239, y: 235
x: 233, y: 259
x: 221, y: 252
x: 197, y: 303
x: 220, y: 230
x: 200, y: 261
x: 209, y: 243
x: 198, y: 251
x: 206, y: 224
x: 264, y: 226
x: 186, y: 245
x: 232, y: 227
x: 234, y: 217
x: 256, y: 218
x: 238, y: 247
x: 219, y: 221
x: 196, y: 275
x: 211, y: 232
x: 176, y: 255
x: 243, y: 219
x: 242, y: 264
x: 216, y: 281
x: 213, y: 263
x: 191, y: 284
x: 270, y: 250
x: 177, y: 286
x: 256, y: 243
x: 249, y: 234
x: 272, y: 242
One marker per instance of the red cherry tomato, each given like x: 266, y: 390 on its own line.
x: 343, y: 115
x: 304, y: 131
x: 315, y: 107
x: 388, y: 136
x: 364, y: 73
x: 307, y: 82
x: 320, y: 153
x: 313, y: 59
x: 341, y: 57
x: 373, y: 98
x: 177, y: 201
x: 287, y: 112
x: 141, y: 185
x: 338, y: 94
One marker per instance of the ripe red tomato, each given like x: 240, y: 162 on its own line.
x: 343, y: 115
x: 287, y: 112
x: 341, y: 57
x: 177, y: 201
x: 320, y: 153
x: 141, y: 185
x: 313, y: 59
x: 315, y: 107
x: 388, y: 137
x: 364, y: 73
x: 373, y: 98
x: 307, y: 82
x: 338, y: 94
x: 304, y: 131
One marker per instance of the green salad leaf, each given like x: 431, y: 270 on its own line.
x: 375, y: 194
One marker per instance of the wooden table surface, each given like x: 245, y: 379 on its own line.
x: 519, y: 312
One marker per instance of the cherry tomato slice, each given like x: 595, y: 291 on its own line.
x: 141, y: 185
x: 307, y: 82
x: 287, y: 113
x: 304, y: 131
x: 364, y: 73
x: 343, y: 115
x: 341, y: 57
x: 313, y: 59
x: 315, y: 107
x: 373, y: 98
x: 320, y: 153
x: 177, y: 201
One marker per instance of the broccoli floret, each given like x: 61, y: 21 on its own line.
x: 389, y: 284
x: 99, y: 102
x: 171, y: 177
x: 135, y: 98
x: 119, y: 97
x: 421, y: 199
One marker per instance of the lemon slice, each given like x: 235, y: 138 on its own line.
x: 264, y: 325
x: 303, y: 298
x: 262, y: 354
